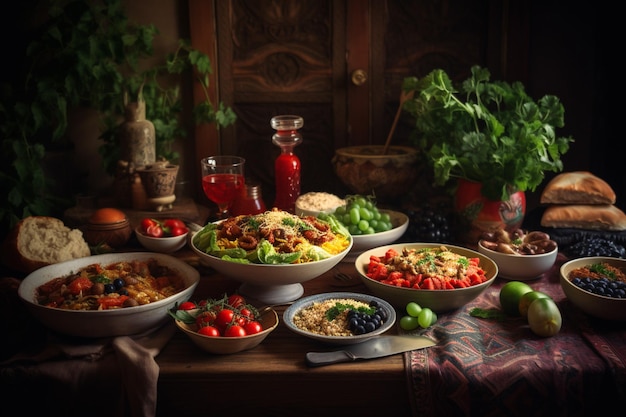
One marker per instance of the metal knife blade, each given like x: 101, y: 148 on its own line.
x: 376, y: 347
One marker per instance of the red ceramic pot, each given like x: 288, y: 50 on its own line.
x: 483, y: 215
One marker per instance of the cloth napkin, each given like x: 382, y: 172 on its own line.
x: 100, y: 377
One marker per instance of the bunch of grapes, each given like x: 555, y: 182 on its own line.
x: 430, y: 223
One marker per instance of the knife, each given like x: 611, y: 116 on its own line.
x: 376, y: 347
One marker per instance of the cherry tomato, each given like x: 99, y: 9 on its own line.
x: 187, y: 305
x: 155, y: 231
x: 224, y: 317
x: 147, y: 223
x: 236, y: 301
x: 206, y: 318
x: 177, y: 231
x: 235, y: 331
x: 246, y: 313
x: 253, y: 327
x: 209, y: 331
x: 174, y: 223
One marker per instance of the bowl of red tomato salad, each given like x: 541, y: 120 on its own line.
x: 440, y: 277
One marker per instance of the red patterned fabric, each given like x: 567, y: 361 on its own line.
x: 486, y: 367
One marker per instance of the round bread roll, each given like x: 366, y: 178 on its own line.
x: 577, y: 187
x: 37, y: 241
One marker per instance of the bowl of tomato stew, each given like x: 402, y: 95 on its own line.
x: 115, y: 294
x: 440, y: 277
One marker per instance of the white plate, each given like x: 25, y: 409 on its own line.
x: 305, y: 302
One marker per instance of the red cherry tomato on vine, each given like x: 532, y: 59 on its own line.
x: 235, y: 331
x: 224, y: 317
x: 187, y: 305
x: 206, y: 318
x: 253, y: 327
x: 154, y: 231
x: 209, y: 331
x: 236, y: 301
x: 246, y: 313
x: 177, y: 231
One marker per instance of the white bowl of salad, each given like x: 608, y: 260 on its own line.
x: 271, y: 253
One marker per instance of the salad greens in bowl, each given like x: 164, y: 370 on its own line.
x: 272, y: 253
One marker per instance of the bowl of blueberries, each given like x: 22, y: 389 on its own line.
x: 596, y: 285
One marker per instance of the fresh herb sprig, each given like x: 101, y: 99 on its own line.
x: 492, y: 132
x: 338, y: 308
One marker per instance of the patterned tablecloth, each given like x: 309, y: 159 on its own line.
x: 487, y: 367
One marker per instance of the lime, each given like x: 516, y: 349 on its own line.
x: 510, y: 295
x: 527, y: 298
x: 544, y: 317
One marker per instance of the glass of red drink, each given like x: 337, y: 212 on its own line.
x: 223, y: 180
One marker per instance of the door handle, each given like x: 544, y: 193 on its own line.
x: 359, y: 77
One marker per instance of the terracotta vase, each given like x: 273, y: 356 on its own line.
x: 478, y: 214
x: 159, y: 182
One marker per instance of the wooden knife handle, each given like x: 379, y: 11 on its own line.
x: 328, y: 358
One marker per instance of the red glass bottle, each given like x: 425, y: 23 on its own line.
x: 287, y: 165
x: 250, y: 201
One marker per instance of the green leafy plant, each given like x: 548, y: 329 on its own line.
x: 87, y: 54
x: 487, y: 131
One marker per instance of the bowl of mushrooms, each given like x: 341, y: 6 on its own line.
x: 520, y: 255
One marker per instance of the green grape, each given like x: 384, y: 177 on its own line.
x: 354, y: 229
x: 413, y: 309
x: 370, y: 231
x: 366, y: 214
x: 355, y: 215
x: 363, y: 225
x: 384, y: 217
x: 340, y: 211
x: 425, y: 318
x: 409, y: 323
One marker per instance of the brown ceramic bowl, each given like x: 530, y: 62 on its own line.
x: 107, y: 225
x: 366, y: 170
x: 227, y: 345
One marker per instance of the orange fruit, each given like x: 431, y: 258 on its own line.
x: 527, y: 298
x: 510, y: 295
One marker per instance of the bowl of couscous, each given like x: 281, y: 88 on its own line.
x: 328, y: 317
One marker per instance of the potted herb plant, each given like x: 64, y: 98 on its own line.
x: 489, y: 135
x: 87, y: 55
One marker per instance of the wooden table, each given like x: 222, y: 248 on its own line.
x: 273, y: 379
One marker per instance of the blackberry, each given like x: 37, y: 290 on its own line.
x: 595, y: 246
x: 429, y: 224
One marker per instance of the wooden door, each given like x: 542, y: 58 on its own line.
x: 338, y: 64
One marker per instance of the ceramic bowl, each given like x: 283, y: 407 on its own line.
x: 399, y: 222
x: 227, y: 345
x: 306, y: 302
x: 270, y: 284
x: 107, y: 225
x: 105, y: 323
x: 366, y: 170
x: 599, y: 306
x: 314, y: 203
x: 436, y: 300
x: 169, y: 244
x: 516, y: 267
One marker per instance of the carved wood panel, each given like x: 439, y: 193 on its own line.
x: 296, y: 57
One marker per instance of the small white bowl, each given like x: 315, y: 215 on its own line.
x: 399, y: 223
x: 517, y: 267
x: 599, y: 306
x: 314, y: 203
x: 168, y: 244
x: 305, y: 302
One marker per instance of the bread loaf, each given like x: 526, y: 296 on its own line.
x: 577, y: 187
x: 584, y: 216
x: 37, y: 241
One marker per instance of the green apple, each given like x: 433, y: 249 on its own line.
x: 510, y: 295
x: 527, y: 298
